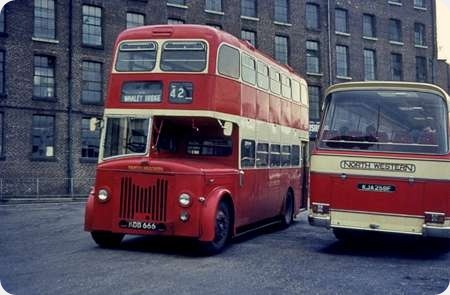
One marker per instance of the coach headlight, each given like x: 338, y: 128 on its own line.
x: 184, y: 200
x: 103, y: 195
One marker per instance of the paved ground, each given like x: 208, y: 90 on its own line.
x: 43, y: 250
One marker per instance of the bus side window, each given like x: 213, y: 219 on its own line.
x: 248, y: 69
x: 262, y: 155
x: 285, y: 155
x: 274, y: 155
x: 296, y: 90
x: 263, y: 76
x: 275, y: 85
x: 295, y: 155
x: 229, y: 62
x: 247, y: 153
x: 286, y: 86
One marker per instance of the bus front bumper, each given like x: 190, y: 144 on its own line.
x: 321, y: 221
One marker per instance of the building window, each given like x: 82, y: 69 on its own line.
x: 341, y: 20
x: 219, y: 27
x: 44, y: 77
x: 369, y: 25
x: 396, y: 67
x: 341, y: 61
x: 92, y: 83
x: 312, y: 57
x: 92, y: 25
x: 2, y: 20
x: 134, y: 20
x: 89, y: 140
x: 421, y: 69
x: 44, y: 19
x: 177, y: 2
x: 395, y: 30
x: 312, y: 16
x: 314, y: 102
x: 397, y: 2
x: 369, y: 65
x: 43, y: 141
x: 2, y: 72
x: 419, y: 4
x: 281, y: 11
x: 174, y: 21
x: 281, y: 49
x: 419, y: 34
x: 248, y: 8
x: 214, y: 5
x: 1, y: 135
x: 249, y: 36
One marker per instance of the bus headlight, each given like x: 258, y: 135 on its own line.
x: 184, y: 200
x: 103, y: 195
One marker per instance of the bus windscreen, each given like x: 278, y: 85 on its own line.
x: 388, y: 121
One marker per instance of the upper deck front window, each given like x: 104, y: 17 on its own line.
x: 136, y: 57
x: 183, y: 56
x: 383, y: 120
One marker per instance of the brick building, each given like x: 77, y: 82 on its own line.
x: 55, y: 56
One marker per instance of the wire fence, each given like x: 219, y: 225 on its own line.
x: 44, y: 187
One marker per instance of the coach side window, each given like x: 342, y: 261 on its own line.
x: 229, y: 62
x: 296, y: 91
x: 295, y: 155
x: 263, y: 76
x: 275, y: 155
x: 262, y: 155
x: 248, y: 69
x: 247, y: 153
x: 275, y: 85
x: 286, y: 86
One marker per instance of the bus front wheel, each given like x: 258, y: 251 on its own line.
x: 107, y: 239
x: 288, y: 212
x: 222, y: 231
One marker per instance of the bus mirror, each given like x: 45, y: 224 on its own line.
x: 95, y: 123
x: 227, y: 128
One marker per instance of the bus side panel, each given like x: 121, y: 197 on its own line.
x: 437, y: 197
x: 248, y: 100
x: 262, y: 106
x: 285, y: 113
x: 227, y: 96
x: 304, y: 118
x: 320, y: 188
x: 274, y: 110
x: 296, y: 116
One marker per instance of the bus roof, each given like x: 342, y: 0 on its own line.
x: 388, y: 85
x: 190, y: 31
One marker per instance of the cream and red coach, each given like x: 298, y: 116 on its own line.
x: 382, y: 160
x: 202, y: 137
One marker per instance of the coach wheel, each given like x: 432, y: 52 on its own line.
x: 222, y: 231
x: 288, y: 212
x: 107, y: 239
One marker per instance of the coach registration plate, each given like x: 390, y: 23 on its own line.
x: 381, y: 188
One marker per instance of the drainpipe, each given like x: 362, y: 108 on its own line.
x: 69, y: 104
x: 330, y: 64
x: 434, y: 34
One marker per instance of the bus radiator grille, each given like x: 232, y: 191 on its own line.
x: 148, y: 200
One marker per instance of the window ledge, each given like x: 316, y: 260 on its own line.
x: 395, y: 3
x: 43, y: 159
x: 214, y: 12
x: 177, y: 5
x: 370, y: 38
x: 53, y: 41
x: 421, y: 46
x: 45, y: 99
x: 89, y: 160
x: 397, y: 43
x: 420, y: 8
x: 314, y: 74
x: 282, y: 24
x: 256, y: 19
x: 344, y: 77
x: 342, y: 33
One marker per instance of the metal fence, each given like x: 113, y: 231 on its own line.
x: 44, y: 187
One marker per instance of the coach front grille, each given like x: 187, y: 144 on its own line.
x: 150, y: 200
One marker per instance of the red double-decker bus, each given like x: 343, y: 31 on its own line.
x: 382, y: 160
x: 203, y: 137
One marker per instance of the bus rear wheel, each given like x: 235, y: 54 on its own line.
x: 222, y: 231
x: 107, y: 239
x: 287, y: 216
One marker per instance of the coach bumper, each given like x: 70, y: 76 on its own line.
x: 321, y: 221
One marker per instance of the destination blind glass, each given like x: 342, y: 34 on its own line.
x: 141, y: 92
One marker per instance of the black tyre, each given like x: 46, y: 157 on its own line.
x: 222, y: 231
x: 344, y: 235
x: 107, y: 239
x: 287, y: 217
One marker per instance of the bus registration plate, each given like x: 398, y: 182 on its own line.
x: 142, y: 225
x: 381, y: 188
